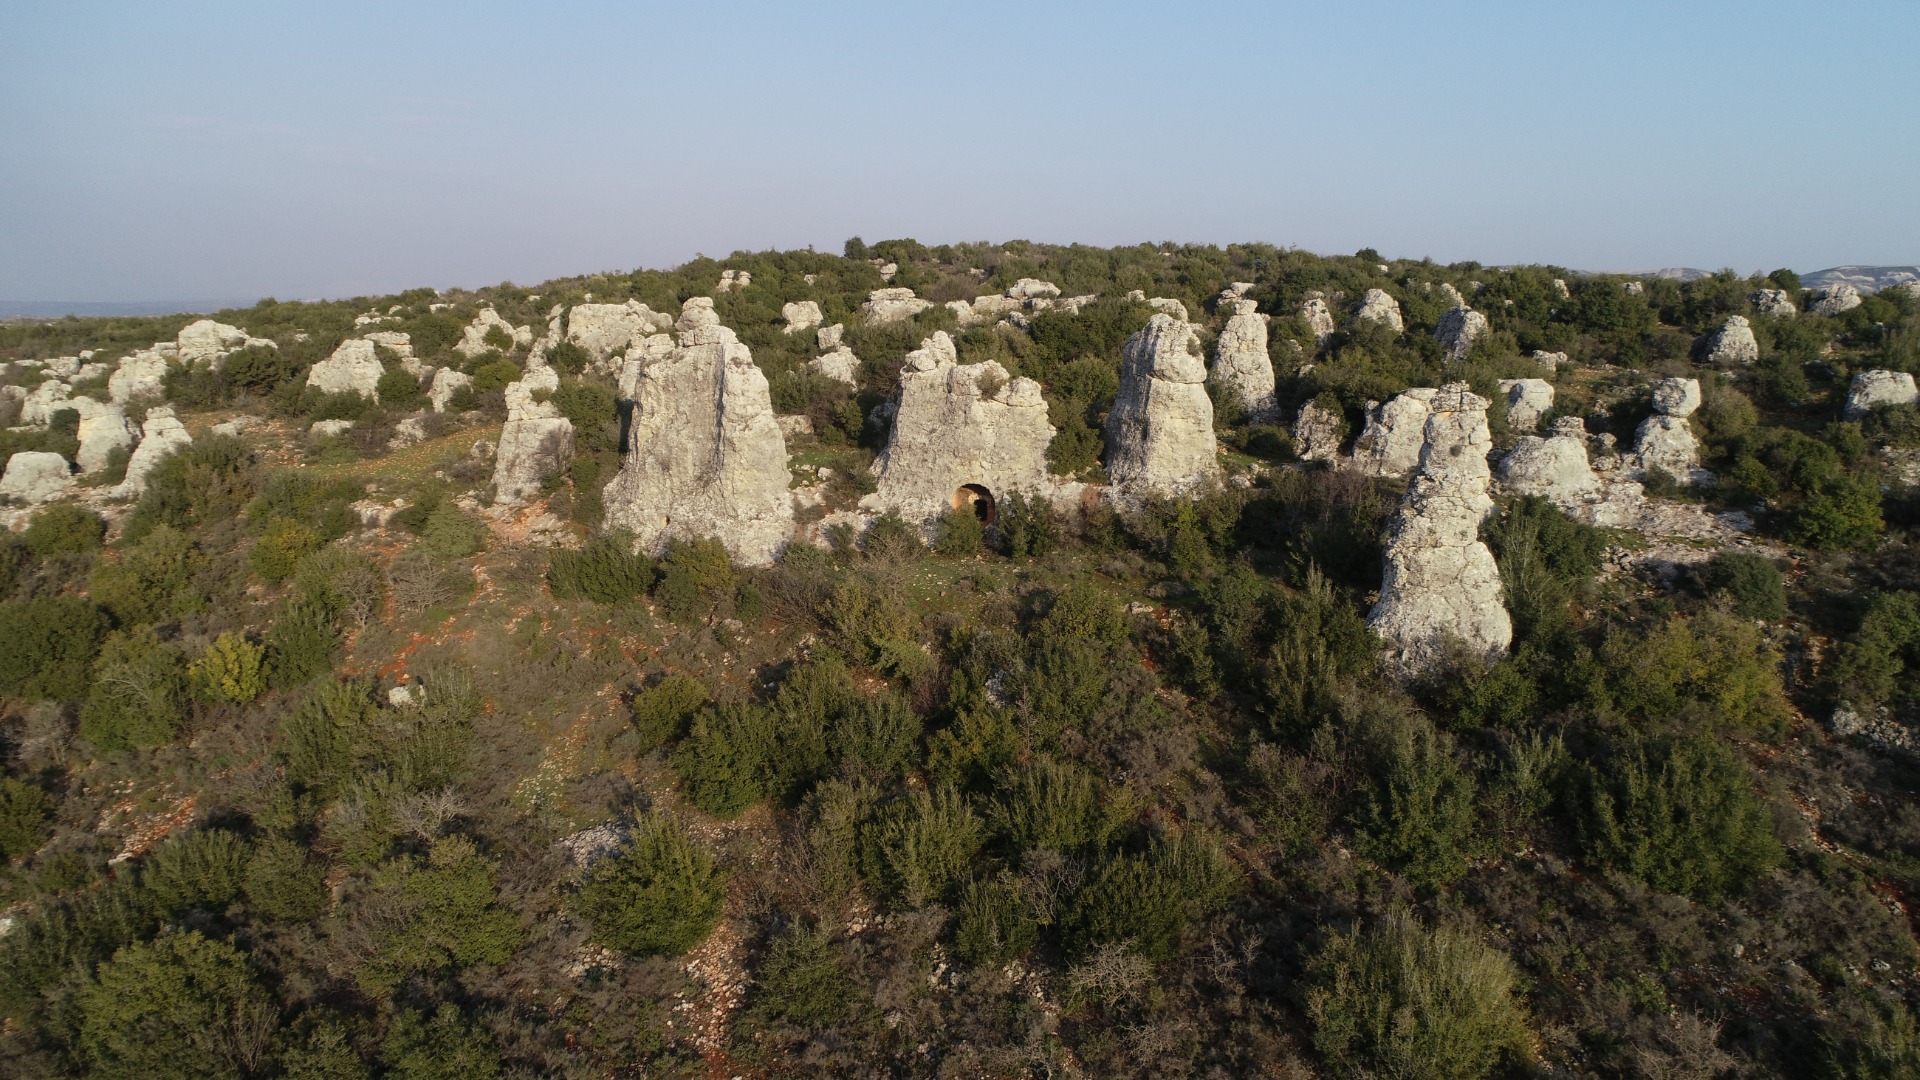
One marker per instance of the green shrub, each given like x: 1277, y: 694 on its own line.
x: 567, y: 358
x: 801, y: 981
x: 1052, y: 805
x: 211, y: 480
x: 1750, y: 581
x: 232, y: 669
x: 398, y: 390
x: 281, y: 885
x: 1868, y: 665
x: 875, y: 738
x: 319, y: 737
x: 152, y: 579
x: 201, y: 869
x: 438, y: 914
x: 994, y: 924
x: 64, y: 529
x: 451, y: 533
x: 959, y: 534
x: 444, y: 1046
x: 1146, y: 901
x: 1026, y: 525
x: 1418, y: 814
x: 1406, y: 1001
x: 283, y: 545
x: 494, y: 376
x: 891, y: 539
x: 922, y: 846
x: 659, y: 897
x: 1842, y: 514
x: 1677, y: 812
x: 24, y: 814
x: 300, y: 644
x: 695, y: 576
x: 663, y: 712
x: 606, y: 571
x: 180, y: 1006
x: 47, y: 647
x: 139, y: 694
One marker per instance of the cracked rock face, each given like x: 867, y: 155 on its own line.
x: 1240, y: 362
x: 354, y: 368
x: 1834, y: 299
x: 473, y: 339
x: 892, y: 305
x: 1378, y: 306
x: 605, y: 330
x: 1032, y: 288
x: 103, y: 429
x: 1316, y: 433
x: 1318, y: 317
x: 161, y: 434
x: 1665, y: 440
x: 1774, y: 302
x: 446, y: 383
x: 1458, y: 328
x: 535, y: 443
x: 1676, y: 397
x: 36, y: 476
x: 959, y: 427
x: 1527, y: 401
x: 1395, y: 432
x: 1160, y: 430
x: 141, y: 374
x: 1441, y: 583
x: 209, y: 342
x: 1556, y: 468
x: 1871, y: 389
x: 1734, y: 343
x: 703, y: 455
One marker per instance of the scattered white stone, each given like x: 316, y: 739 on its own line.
x: 103, y: 429
x: 1395, y: 432
x: 731, y: 280
x: 1560, y: 289
x: 1552, y: 361
x: 237, y: 426
x: 892, y: 305
x: 1378, y: 306
x: 1676, y: 397
x: 1873, y: 389
x: 1241, y: 365
x: 1734, y: 343
x: 1633, y: 288
x: 829, y: 337
x: 1527, y: 401
x: 204, y: 341
x: 354, y: 368
x: 36, y: 476
x: 408, y: 432
x: 38, y: 407
x: 1160, y: 431
x: 1031, y: 288
x: 406, y: 695
x: 1452, y: 295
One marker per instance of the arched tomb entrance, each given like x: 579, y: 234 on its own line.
x: 979, y: 499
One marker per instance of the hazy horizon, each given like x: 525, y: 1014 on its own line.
x: 219, y: 150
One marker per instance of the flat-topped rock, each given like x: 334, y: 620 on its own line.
x: 205, y: 341
x: 1030, y: 288
x: 1160, y: 430
x: 892, y: 305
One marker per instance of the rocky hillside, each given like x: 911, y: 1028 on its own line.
x: 993, y: 660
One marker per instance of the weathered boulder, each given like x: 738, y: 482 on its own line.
x: 1633, y: 288
x: 829, y: 337
x: 38, y: 407
x: 703, y: 455
x: 1676, y: 397
x: 964, y: 435
x: 892, y: 305
x: 1552, y: 361
x: 1733, y: 343
x: 1909, y: 289
x: 1834, y: 299
x: 1527, y: 401
x: 1072, y: 304
x: 354, y: 368
x: 237, y: 426
x: 1556, y: 468
x: 1317, y: 433
x: 141, y: 374
x: 1378, y: 306
x: 536, y: 442
x: 1441, y: 585
x: 329, y: 429
x: 103, y: 429
x: 1452, y: 295
x: 1774, y: 302
x: 1395, y: 432
x: 1872, y: 389
x: 1665, y: 441
x: 473, y: 339
x: 731, y: 280
x: 1560, y: 289
x: 1031, y: 288
x: 1318, y: 317
x: 446, y: 383
x: 1458, y: 328
x: 1168, y: 306
x: 604, y: 331
x: 802, y: 315
x: 408, y: 432
x: 1241, y: 365
x: 209, y: 342
x: 1160, y: 430
x: 838, y: 363
x: 161, y: 433
x: 36, y: 476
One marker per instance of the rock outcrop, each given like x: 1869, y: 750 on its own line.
x: 1168, y: 306
x: 1317, y: 433
x: 1318, y: 317
x: 801, y: 315
x: 1733, y: 344
x: 1240, y: 363
x: 1160, y: 430
x: 1834, y: 299
x: 1555, y: 468
x: 733, y: 280
x: 604, y: 331
x: 36, y: 476
x: 161, y: 433
x: 1774, y: 302
x: 535, y: 443
x: 1873, y: 389
x: 354, y: 368
x: 703, y: 455
x: 1665, y: 441
x: 892, y: 305
x: 204, y: 341
x: 446, y: 383
x: 1395, y: 432
x: 1032, y: 288
x: 1378, y: 306
x: 961, y: 433
x: 1527, y: 401
x: 142, y: 374
x: 1458, y: 328
x: 1551, y: 361
x: 103, y: 429
x: 1441, y: 585
x: 38, y: 407
x: 838, y: 361
x: 473, y: 339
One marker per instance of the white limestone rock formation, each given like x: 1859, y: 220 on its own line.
x: 35, y: 477
x: 446, y: 383
x: 962, y: 433
x: 103, y: 429
x: 38, y: 407
x: 1665, y: 441
x: 1556, y: 468
x: 1395, y: 432
x: 1734, y: 343
x: 1168, y: 306
x: 1441, y: 585
x: 1560, y: 289
x: 1551, y: 361
x: 1452, y: 295
x: 1527, y: 401
x: 1834, y: 299
x: 536, y: 442
x: 1633, y: 288
x: 204, y: 341
x: 604, y: 331
x: 829, y: 337
x: 142, y: 374
x: 1774, y: 302
x: 1909, y: 289
x: 1318, y: 317
x: 1317, y: 433
x: 733, y: 280
x: 354, y: 368
x: 802, y: 315
x: 892, y: 305
x: 1072, y: 304
x: 1241, y: 365
x: 703, y: 456
x: 161, y: 433
x: 1873, y: 389
x: 839, y: 364
x: 473, y: 339
x: 1379, y: 306
x: 1160, y: 430
x: 329, y: 429
x: 1032, y: 288
x: 1458, y: 328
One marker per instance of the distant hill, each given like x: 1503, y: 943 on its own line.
x: 54, y: 309
x: 1864, y: 278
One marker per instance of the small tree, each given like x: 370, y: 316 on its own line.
x: 64, y: 529
x: 24, y: 811
x: 660, y: 897
x: 280, y: 548
x: 1750, y: 581
x: 444, y: 1046
x: 181, y: 1006
x: 47, y: 646
x: 697, y: 575
x: 959, y: 534
x: 606, y: 571
x: 232, y: 669
x: 139, y: 694
x: 441, y: 914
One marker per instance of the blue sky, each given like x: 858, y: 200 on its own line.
x: 188, y: 149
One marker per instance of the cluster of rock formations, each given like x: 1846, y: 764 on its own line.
x: 1834, y: 300
x: 836, y: 361
x: 892, y: 305
x: 1773, y: 302
x: 605, y: 331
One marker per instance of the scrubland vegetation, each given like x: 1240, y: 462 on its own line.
x: 1076, y: 794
